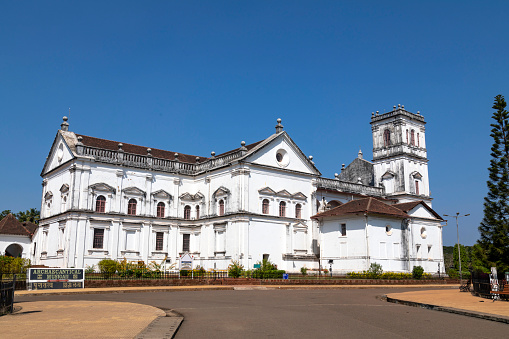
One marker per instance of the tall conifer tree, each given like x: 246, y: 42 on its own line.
x: 494, y: 227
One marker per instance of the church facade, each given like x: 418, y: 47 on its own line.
x: 264, y: 200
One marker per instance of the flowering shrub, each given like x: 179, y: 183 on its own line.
x: 235, y: 269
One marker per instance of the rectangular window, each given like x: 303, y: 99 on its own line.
x: 185, y: 242
x: 396, y: 250
x: 130, y: 240
x: 343, y: 230
x: 159, y: 241
x: 220, y: 241
x: 98, y: 237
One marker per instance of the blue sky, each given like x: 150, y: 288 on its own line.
x: 196, y: 77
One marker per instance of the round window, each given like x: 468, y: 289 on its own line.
x: 60, y: 152
x: 282, y: 158
x: 388, y: 230
x: 424, y: 234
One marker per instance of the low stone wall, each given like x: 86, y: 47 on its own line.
x: 246, y: 281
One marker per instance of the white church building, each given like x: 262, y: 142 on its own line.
x: 264, y: 200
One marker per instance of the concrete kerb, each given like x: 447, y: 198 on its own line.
x: 216, y: 288
x: 468, y: 313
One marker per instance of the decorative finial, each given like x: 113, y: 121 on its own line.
x: 342, y: 167
x: 197, y: 159
x: 65, y: 125
x: 359, y: 180
x: 359, y: 155
x: 399, y: 105
x: 394, y: 107
x: 311, y: 157
x: 212, y: 154
x: 418, y: 113
x: 402, y: 106
x: 120, y: 145
x: 336, y: 175
x: 176, y: 156
x: 372, y: 114
x: 243, y: 146
x: 279, y: 127
x: 377, y: 112
x: 80, y: 139
x: 149, y: 151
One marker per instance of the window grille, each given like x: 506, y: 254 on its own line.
x: 100, y: 204
x: 98, y: 237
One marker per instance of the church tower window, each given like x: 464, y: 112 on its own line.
x: 387, y: 138
x: 160, y: 210
x: 418, y: 142
x: 100, y: 204
x: 197, y: 212
x: 407, y: 137
x: 187, y: 212
x: 412, y: 138
x: 282, y: 209
x: 265, y: 206
x: 416, y: 187
x: 131, y: 207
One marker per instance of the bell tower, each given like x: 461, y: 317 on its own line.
x: 399, y: 154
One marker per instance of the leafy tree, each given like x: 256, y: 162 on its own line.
x: 31, y: 215
x: 494, y: 227
x: 465, y: 258
x: 5, y: 213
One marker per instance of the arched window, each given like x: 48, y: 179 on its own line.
x: 407, y: 136
x: 418, y: 142
x: 298, y: 211
x: 412, y: 138
x: 387, y: 137
x: 187, y: 212
x: 265, y: 206
x: 282, y: 209
x: 131, y: 207
x: 160, y: 210
x: 197, y: 212
x: 221, y: 207
x: 100, y: 204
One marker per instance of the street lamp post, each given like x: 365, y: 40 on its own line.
x: 458, y: 234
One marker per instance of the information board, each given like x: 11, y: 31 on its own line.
x: 56, y: 278
x: 56, y: 274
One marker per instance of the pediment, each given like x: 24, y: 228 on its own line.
x: 102, y: 187
x: 280, y: 152
x: 133, y: 191
x: 162, y: 194
x: 300, y: 227
x: 221, y: 191
x: 283, y: 193
x: 60, y: 151
x: 64, y: 188
x: 191, y: 197
x: 388, y: 175
x: 416, y: 175
x: 299, y: 195
x: 267, y: 191
x: 48, y: 195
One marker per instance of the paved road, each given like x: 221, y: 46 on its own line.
x: 301, y: 314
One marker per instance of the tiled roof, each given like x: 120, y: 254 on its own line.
x: 10, y: 225
x: 135, y: 149
x: 249, y: 147
x: 366, y: 205
x: 408, y: 206
x: 142, y: 150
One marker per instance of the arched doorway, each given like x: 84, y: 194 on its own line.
x: 14, y: 250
